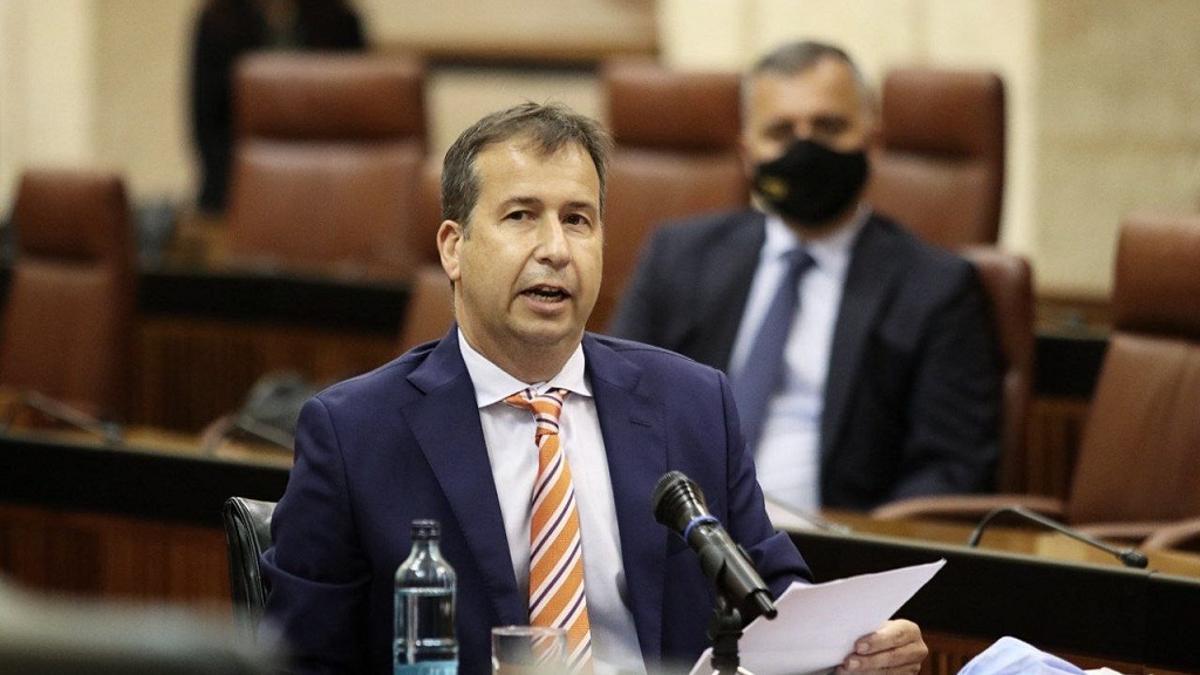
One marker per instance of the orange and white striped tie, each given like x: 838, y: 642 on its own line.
x: 556, y: 596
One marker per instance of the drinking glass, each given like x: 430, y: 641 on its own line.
x: 529, y: 650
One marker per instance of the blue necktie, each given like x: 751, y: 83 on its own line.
x: 763, y: 370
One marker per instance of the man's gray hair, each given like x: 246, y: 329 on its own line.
x: 549, y: 127
x: 794, y: 58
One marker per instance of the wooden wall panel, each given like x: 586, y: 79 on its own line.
x: 115, y: 557
x: 193, y: 370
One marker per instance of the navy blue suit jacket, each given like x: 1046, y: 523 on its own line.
x: 912, y: 397
x: 405, y: 441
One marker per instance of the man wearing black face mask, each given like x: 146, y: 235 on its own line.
x: 862, y: 360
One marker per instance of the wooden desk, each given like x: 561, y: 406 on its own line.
x: 139, y: 521
x: 1134, y: 621
x: 1033, y: 542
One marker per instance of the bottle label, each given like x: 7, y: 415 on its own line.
x: 428, y: 668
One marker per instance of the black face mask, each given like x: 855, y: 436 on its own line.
x: 810, y: 183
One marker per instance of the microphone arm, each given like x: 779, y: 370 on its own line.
x: 61, y: 412
x: 1129, y: 557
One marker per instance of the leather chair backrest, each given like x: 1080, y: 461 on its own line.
x: 423, y: 237
x: 1139, y: 456
x: 676, y: 155
x: 327, y: 160
x: 940, y: 169
x: 430, y: 310
x: 68, y: 318
x: 1008, y: 280
x: 247, y: 534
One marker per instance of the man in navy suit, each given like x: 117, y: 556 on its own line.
x: 430, y: 435
x: 866, y: 374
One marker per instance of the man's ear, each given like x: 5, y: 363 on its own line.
x: 449, y: 241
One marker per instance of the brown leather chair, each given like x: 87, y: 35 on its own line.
x: 1138, y: 466
x: 1008, y: 280
x: 327, y: 160
x: 69, y: 315
x: 430, y: 307
x: 676, y: 155
x: 428, y: 216
x: 941, y: 167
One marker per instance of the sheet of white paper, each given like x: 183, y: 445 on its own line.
x: 818, y: 624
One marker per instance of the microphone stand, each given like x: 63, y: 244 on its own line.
x: 725, y: 629
x: 1129, y: 557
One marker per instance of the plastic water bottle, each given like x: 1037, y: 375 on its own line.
x: 425, y: 642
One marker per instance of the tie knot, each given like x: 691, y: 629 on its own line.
x: 546, y: 407
x: 798, y: 261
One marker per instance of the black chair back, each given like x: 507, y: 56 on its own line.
x: 248, y: 534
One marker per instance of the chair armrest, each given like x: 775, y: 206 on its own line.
x: 1183, y: 535
x: 969, y: 508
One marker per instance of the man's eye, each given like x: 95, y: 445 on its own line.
x: 518, y: 215
x: 830, y: 127
x: 779, y: 133
x: 577, y: 220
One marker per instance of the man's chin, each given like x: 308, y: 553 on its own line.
x: 544, y: 333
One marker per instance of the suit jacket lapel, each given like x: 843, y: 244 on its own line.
x: 634, y: 439
x: 869, y: 281
x: 724, y: 282
x: 446, y: 425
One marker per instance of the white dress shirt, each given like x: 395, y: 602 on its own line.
x: 508, y: 433
x: 788, y: 455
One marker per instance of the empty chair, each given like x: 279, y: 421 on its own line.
x: 328, y: 155
x: 1138, y: 466
x: 676, y: 155
x: 1008, y: 280
x: 68, y: 318
x: 247, y: 534
x: 940, y: 170
x: 430, y: 310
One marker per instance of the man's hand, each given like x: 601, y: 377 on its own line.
x: 896, y: 647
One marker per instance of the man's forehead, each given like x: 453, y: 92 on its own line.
x: 517, y: 166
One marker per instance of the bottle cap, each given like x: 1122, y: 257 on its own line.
x: 426, y: 529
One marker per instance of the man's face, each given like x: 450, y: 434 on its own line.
x: 821, y: 104
x: 527, y: 270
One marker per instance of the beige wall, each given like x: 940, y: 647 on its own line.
x: 143, y: 56
x: 47, y: 88
x: 1104, y: 103
x: 1118, y: 126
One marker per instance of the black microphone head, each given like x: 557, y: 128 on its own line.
x: 1133, y: 558
x: 677, y: 500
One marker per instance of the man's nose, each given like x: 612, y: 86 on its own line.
x: 552, y: 246
x: 802, y: 131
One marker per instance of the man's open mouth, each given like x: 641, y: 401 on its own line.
x: 546, y: 293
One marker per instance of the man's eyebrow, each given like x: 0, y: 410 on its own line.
x: 581, y: 205
x: 521, y: 200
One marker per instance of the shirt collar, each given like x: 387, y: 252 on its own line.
x: 830, y: 253
x: 493, y: 384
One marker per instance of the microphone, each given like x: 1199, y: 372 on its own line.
x: 1128, y: 557
x: 58, y: 411
x: 679, y: 504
